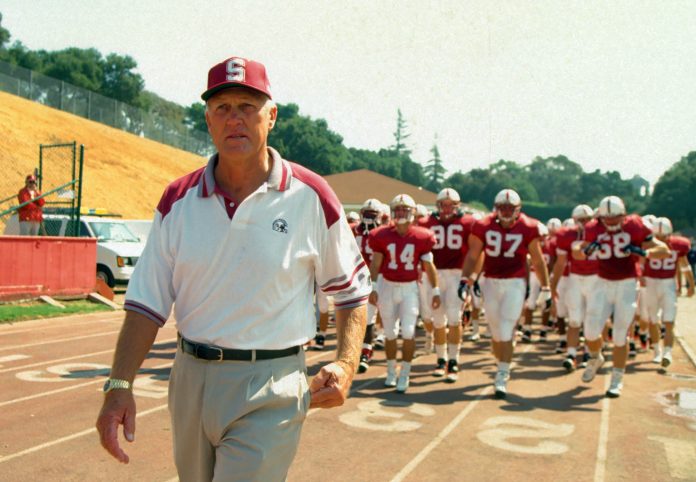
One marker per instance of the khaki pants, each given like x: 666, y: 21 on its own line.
x: 235, y: 420
x: 29, y: 228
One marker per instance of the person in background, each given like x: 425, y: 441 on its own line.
x: 30, y: 215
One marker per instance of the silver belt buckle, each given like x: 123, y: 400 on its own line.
x: 220, y: 353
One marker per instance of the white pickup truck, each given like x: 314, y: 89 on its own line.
x: 118, y: 249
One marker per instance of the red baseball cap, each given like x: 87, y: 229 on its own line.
x: 30, y: 177
x: 237, y: 72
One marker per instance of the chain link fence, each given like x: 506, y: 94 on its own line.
x: 58, y: 174
x: 84, y: 103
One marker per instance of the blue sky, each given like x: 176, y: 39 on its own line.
x: 611, y: 85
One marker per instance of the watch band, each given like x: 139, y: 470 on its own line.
x: 116, y: 384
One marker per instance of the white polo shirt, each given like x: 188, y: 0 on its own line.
x: 243, y: 276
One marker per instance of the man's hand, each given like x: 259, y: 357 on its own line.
x: 545, y: 299
x: 118, y: 409
x: 591, y: 248
x: 373, y: 298
x: 633, y: 249
x: 436, y: 302
x: 463, y: 290
x: 330, y: 387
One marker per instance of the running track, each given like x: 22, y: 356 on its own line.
x: 551, y: 427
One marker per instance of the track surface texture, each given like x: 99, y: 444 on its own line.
x: 552, y: 426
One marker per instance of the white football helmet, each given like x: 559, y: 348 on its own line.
x: 421, y: 211
x: 543, y: 230
x: 447, y: 202
x: 582, y: 211
x: 553, y: 224
x: 611, y: 207
x: 568, y: 223
x: 507, y: 205
x: 370, y: 212
x: 662, y: 227
x: 353, y: 217
x: 403, y: 209
x: 649, y: 220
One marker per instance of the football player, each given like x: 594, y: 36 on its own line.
x: 505, y: 237
x: 617, y: 240
x: 451, y: 228
x: 548, y: 249
x: 398, y: 249
x: 579, y: 283
x: 661, y: 287
x: 370, y: 219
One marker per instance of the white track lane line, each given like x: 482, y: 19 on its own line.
x: 441, y: 436
x: 76, y: 357
x: 58, y: 340
x: 67, y: 438
x: 601, y: 464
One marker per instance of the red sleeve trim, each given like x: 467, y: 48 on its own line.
x: 329, y: 202
x: 178, y: 189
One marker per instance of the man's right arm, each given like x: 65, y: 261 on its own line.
x: 134, y: 342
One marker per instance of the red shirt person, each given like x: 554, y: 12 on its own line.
x: 617, y: 240
x: 505, y: 237
x: 31, y: 215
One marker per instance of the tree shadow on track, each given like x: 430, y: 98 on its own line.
x: 568, y: 401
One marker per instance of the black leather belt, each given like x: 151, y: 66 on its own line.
x: 215, y: 353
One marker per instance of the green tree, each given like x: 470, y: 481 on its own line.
x: 674, y: 195
x: 4, y: 34
x: 434, y: 171
x: 195, y: 117
x: 400, y: 135
x: 118, y: 79
x: 559, y: 177
x: 80, y: 67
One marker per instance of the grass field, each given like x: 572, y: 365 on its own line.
x: 29, y: 311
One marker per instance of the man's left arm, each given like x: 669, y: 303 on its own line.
x: 655, y: 249
x: 330, y: 387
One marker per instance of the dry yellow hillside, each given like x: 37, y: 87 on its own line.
x: 122, y: 172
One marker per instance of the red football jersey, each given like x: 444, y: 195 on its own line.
x: 451, y: 238
x: 679, y: 247
x: 548, y: 251
x: 506, y: 249
x: 614, y: 264
x: 564, y: 245
x: 361, y: 237
x: 402, y: 254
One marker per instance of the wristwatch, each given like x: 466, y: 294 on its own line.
x: 116, y: 384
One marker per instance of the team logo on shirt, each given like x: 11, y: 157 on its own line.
x: 280, y: 225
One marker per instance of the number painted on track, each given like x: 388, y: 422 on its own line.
x: 65, y: 372
x: 497, y: 432
x: 386, y: 416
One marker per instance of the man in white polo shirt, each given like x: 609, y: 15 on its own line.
x: 236, y: 248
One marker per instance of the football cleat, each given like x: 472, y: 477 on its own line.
x: 452, y: 371
x: 390, y: 381
x: 440, y: 368
x: 474, y: 337
x: 379, y: 341
x: 593, y: 366
x: 561, y: 346
x: 570, y: 364
x: 402, y: 383
x: 616, y: 384
x: 527, y: 336
x: 632, y: 352
x: 542, y: 335
x: 500, y: 384
x: 643, y: 343
x: 319, y: 341
x: 585, y: 359
x: 365, y: 358
x: 666, y: 359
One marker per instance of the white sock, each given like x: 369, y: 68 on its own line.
x: 391, y: 366
x: 572, y: 351
x: 475, y: 325
x: 441, y: 351
x: 618, y: 370
x: 562, y: 338
x: 453, y: 351
x: 322, y: 333
x: 367, y: 346
x: 405, y: 368
x: 668, y: 349
x: 503, y: 366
